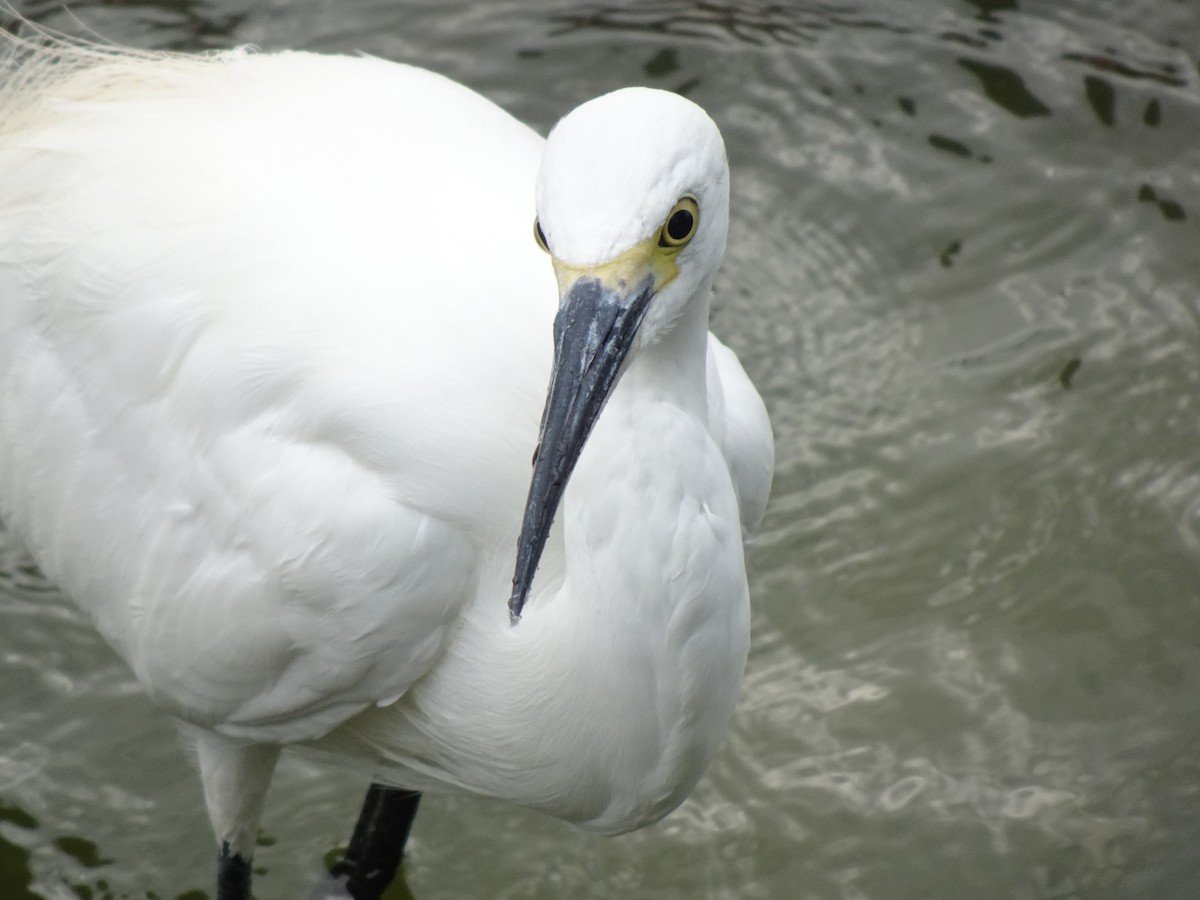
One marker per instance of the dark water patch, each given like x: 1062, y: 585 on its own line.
x: 907, y: 105
x: 1005, y: 88
x: 662, y: 63
x: 1101, y: 98
x: 1152, y: 117
x: 15, y: 816
x: 1168, y: 73
x: 16, y: 877
x: 1069, y: 370
x: 949, y: 145
x: 83, y: 851
x: 686, y: 87
x: 1171, y: 210
x: 987, y: 9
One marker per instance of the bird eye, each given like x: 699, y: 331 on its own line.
x: 681, y: 223
x: 540, y: 236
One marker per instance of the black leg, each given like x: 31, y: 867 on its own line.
x: 375, y: 850
x: 233, y: 876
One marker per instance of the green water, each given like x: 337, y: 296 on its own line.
x: 962, y: 270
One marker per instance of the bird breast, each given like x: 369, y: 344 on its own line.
x: 604, y: 705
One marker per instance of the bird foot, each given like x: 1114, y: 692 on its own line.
x: 332, y: 887
x: 340, y: 886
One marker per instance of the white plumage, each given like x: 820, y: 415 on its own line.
x: 275, y: 336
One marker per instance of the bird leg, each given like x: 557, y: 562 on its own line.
x: 236, y: 776
x: 375, y: 850
x: 233, y: 875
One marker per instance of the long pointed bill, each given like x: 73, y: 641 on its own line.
x: 593, y: 332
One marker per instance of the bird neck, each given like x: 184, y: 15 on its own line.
x: 647, y: 451
x: 672, y: 369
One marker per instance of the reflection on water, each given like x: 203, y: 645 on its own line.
x: 961, y: 269
x: 161, y: 24
x: 758, y: 25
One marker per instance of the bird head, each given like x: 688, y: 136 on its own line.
x: 633, y: 186
x: 633, y: 210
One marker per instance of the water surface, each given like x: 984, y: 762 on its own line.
x: 962, y: 271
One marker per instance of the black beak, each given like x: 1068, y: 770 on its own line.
x: 593, y: 332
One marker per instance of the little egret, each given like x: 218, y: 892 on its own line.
x: 275, y: 334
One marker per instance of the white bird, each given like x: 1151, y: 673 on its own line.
x: 275, y: 334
